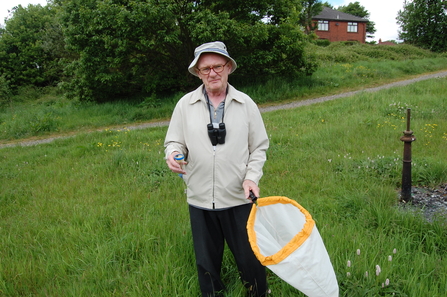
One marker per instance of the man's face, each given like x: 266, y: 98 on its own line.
x: 214, y: 82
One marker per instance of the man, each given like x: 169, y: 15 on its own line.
x: 220, y: 132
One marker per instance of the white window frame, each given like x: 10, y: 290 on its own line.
x: 352, y: 27
x: 323, y: 25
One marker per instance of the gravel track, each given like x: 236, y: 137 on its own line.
x: 262, y: 109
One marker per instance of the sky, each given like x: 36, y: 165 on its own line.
x: 382, y: 12
x: 6, y: 5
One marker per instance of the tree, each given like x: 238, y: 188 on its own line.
x: 424, y: 23
x: 311, y: 8
x: 327, y: 4
x: 26, y: 58
x: 360, y: 11
x: 130, y: 46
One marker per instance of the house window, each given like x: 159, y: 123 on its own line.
x: 352, y: 27
x: 323, y: 25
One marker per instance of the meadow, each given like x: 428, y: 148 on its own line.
x: 100, y: 214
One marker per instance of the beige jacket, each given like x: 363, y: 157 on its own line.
x: 215, y: 174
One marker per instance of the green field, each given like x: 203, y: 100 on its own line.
x: 99, y: 214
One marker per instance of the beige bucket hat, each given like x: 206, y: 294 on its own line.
x: 217, y: 47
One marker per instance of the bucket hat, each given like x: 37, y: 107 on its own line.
x: 217, y: 47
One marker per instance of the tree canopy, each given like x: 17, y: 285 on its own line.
x: 24, y: 59
x: 310, y: 9
x: 424, y: 23
x: 356, y: 9
x: 102, y: 49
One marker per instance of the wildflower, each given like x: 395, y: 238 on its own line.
x: 378, y: 270
x: 358, y: 252
x: 387, y: 282
x: 348, y: 274
x: 390, y: 258
x: 366, y: 274
x: 349, y: 263
x: 394, y: 251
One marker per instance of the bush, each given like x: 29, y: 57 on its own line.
x: 5, y: 91
x: 322, y: 42
x: 350, y: 52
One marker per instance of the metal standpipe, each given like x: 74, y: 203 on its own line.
x: 408, y: 138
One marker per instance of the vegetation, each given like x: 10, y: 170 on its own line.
x: 108, y: 50
x: 310, y: 9
x: 26, y: 56
x: 356, y: 9
x: 99, y: 214
x: 343, y: 67
x: 424, y: 23
x: 104, y: 50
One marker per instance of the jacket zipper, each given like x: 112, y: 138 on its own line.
x: 214, y: 174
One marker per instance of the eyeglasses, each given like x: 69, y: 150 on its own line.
x: 217, y: 68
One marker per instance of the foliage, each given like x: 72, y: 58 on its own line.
x: 424, y: 23
x: 126, y: 47
x: 5, y: 90
x: 341, y: 52
x: 356, y: 9
x: 310, y: 9
x: 342, y: 68
x: 26, y: 58
x: 327, y: 4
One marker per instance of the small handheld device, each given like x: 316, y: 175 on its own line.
x: 179, y: 158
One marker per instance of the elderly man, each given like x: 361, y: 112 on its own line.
x: 221, y: 134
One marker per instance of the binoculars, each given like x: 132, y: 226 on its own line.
x: 217, y: 135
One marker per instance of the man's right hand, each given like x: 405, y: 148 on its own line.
x: 174, y: 165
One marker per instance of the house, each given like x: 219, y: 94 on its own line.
x: 335, y: 25
x: 386, y: 42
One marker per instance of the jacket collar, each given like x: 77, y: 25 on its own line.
x: 197, y: 95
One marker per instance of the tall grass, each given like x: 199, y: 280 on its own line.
x: 100, y: 214
x: 35, y: 112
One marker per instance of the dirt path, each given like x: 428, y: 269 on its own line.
x: 29, y: 142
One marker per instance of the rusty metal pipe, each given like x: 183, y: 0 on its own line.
x: 408, y: 138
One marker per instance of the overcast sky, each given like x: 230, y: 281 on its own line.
x: 6, y: 5
x: 382, y: 12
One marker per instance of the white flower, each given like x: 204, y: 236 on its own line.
x: 358, y: 252
x: 394, y: 251
x: 348, y: 274
x: 349, y: 263
x: 390, y: 258
x: 387, y: 282
x: 378, y: 270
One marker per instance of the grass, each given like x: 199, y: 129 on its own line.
x: 99, y: 214
x: 39, y: 113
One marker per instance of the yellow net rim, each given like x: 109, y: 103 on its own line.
x: 292, y: 245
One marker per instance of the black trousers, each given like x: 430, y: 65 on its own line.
x: 210, y: 230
